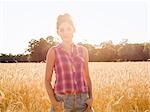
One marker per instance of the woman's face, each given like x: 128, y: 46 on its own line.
x: 65, y: 31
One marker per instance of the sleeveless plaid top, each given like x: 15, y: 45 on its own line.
x: 69, y: 70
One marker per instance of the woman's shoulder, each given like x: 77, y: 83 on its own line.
x: 83, y: 48
x: 55, y: 47
x: 85, y: 52
x: 52, y: 49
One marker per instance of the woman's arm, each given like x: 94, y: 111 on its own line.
x: 86, y: 75
x: 50, y: 60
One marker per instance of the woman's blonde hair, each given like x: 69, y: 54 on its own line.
x: 64, y: 18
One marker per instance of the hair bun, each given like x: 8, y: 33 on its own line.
x: 64, y: 18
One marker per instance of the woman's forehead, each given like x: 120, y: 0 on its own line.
x: 65, y: 25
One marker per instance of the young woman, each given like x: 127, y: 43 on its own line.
x: 72, y: 91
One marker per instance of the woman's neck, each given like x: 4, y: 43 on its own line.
x: 67, y: 45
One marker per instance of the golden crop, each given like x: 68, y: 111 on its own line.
x: 117, y: 87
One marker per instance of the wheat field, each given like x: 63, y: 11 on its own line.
x: 117, y: 87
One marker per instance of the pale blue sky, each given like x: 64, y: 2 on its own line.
x: 95, y: 21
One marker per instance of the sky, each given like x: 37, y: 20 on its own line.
x: 95, y: 21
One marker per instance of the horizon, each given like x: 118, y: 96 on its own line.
x: 33, y: 20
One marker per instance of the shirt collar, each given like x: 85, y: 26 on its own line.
x: 73, y: 44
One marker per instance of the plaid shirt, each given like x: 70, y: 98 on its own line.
x: 69, y: 70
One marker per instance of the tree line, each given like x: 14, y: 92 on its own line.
x: 104, y: 52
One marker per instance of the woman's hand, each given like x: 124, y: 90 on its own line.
x: 89, y: 102
x: 56, y: 103
x: 58, y: 106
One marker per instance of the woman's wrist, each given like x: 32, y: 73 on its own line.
x: 90, y: 96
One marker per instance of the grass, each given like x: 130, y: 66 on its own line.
x: 117, y: 87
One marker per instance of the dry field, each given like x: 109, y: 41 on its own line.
x: 117, y: 87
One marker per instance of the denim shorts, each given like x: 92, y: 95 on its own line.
x: 71, y: 102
